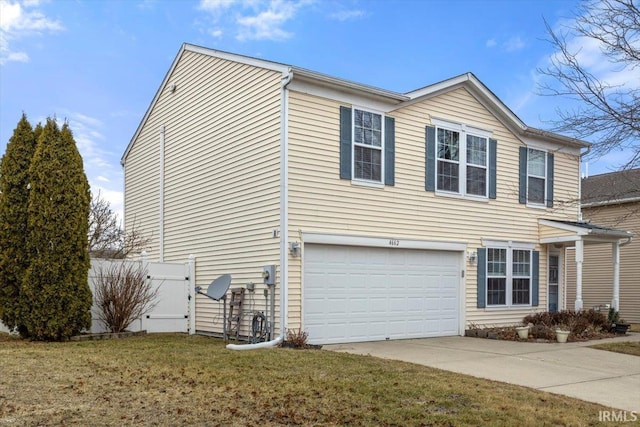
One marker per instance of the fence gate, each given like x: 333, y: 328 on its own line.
x: 171, y: 313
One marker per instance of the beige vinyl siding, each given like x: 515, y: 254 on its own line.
x: 321, y: 202
x: 221, y: 175
x: 548, y: 232
x: 597, y: 270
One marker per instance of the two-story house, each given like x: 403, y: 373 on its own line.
x: 388, y: 215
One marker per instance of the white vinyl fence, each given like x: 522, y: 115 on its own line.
x: 172, y: 311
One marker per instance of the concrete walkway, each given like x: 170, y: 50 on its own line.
x: 571, y: 369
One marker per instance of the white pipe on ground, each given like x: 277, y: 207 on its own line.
x: 266, y: 344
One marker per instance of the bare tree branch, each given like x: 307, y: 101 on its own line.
x: 608, y: 113
x: 106, y: 237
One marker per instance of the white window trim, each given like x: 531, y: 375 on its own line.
x: 361, y: 181
x: 542, y: 205
x: 510, y: 247
x: 463, y: 130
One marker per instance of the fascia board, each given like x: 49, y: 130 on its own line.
x: 248, y: 60
x: 341, y: 84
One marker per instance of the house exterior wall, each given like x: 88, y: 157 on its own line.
x: 597, y: 270
x: 221, y: 173
x: 321, y: 202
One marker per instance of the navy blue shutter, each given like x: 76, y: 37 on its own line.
x: 389, y: 150
x: 430, y: 159
x: 535, y: 278
x: 493, y: 154
x: 523, y: 175
x: 482, y: 277
x: 345, y: 143
x: 549, y: 180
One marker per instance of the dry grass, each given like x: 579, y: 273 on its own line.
x: 178, y: 379
x: 628, y: 347
x: 634, y: 327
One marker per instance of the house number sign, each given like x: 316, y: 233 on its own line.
x: 394, y: 242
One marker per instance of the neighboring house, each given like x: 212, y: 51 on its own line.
x: 388, y: 215
x: 613, y: 200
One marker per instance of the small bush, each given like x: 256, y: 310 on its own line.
x: 582, y: 324
x: 297, y: 338
x: 123, y: 294
x: 541, y: 332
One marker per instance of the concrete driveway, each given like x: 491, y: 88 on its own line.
x: 571, y: 369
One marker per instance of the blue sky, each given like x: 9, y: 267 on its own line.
x: 98, y: 63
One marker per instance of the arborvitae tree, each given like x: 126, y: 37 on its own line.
x: 55, y: 298
x: 14, y: 184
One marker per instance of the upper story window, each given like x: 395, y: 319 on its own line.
x: 367, y: 146
x: 464, y: 160
x: 536, y: 177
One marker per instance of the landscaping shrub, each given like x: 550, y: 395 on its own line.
x: 123, y: 294
x: 297, y: 338
x: 55, y: 298
x: 581, y: 324
x: 14, y: 191
x: 541, y: 332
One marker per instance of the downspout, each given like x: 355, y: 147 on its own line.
x: 161, y: 196
x: 284, y: 201
x: 284, y: 221
x: 580, y: 183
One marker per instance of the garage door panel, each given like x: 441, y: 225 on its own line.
x: 365, y: 294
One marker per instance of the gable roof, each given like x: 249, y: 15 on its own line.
x: 611, y: 188
x: 395, y: 99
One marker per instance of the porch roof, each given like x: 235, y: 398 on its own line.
x: 555, y: 231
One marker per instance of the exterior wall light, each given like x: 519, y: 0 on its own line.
x: 294, y: 249
x: 473, y: 257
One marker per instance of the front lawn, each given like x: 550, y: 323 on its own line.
x: 174, y: 379
x: 628, y: 347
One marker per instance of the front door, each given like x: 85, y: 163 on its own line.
x: 554, y: 274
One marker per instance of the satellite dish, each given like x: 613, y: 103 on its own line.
x: 218, y: 288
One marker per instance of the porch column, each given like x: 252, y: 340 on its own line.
x: 579, y: 258
x: 615, y: 252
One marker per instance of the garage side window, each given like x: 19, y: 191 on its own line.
x: 507, y: 277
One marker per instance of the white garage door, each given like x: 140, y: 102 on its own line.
x: 356, y: 294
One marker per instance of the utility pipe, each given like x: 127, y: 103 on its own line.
x: 266, y: 344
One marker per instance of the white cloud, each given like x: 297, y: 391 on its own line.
x: 491, y: 43
x: 17, y: 57
x: 251, y: 19
x: 589, y: 55
x: 20, y: 20
x: 102, y: 178
x: 266, y: 25
x: 514, y: 44
x: 217, y: 33
x: 347, y: 15
x: 216, y: 6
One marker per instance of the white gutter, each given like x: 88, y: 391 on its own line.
x: 629, y: 240
x: 284, y: 200
x: 161, y: 196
